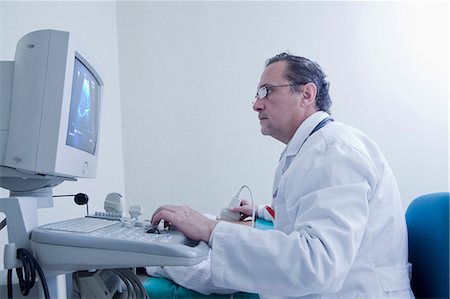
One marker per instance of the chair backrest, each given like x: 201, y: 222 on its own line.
x: 427, y: 218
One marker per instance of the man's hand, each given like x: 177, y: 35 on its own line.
x: 245, y: 209
x: 191, y: 223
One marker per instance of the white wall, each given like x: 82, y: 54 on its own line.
x: 94, y: 25
x: 189, y: 72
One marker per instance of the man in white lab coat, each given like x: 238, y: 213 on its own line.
x: 340, y: 230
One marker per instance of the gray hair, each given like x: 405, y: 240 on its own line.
x: 300, y: 71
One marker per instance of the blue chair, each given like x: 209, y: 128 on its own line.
x: 427, y: 218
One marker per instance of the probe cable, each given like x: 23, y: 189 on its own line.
x: 253, y: 202
x: 27, y: 274
x: 2, y: 224
x: 134, y: 285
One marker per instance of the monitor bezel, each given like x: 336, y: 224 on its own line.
x: 62, y: 165
x: 82, y: 163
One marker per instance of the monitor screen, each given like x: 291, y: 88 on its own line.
x: 83, y: 114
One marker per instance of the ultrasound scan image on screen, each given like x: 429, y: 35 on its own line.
x: 83, y: 116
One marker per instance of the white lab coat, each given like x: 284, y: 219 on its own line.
x: 340, y: 230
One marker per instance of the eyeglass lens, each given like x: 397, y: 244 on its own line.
x: 262, y: 92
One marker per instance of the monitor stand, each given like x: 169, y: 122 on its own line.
x: 21, y: 219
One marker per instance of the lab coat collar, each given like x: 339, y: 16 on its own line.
x: 294, y: 145
x: 302, y: 133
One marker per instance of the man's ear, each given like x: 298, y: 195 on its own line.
x: 309, y: 94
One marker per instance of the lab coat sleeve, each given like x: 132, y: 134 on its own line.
x: 196, y: 277
x: 329, y: 221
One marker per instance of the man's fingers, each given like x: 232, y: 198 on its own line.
x: 165, y: 207
x: 169, y: 208
x: 164, y: 214
x: 244, y: 202
x: 188, y: 221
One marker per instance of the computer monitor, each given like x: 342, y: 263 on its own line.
x: 55, y: 107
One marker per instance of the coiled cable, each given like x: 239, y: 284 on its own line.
x: 27, y: 274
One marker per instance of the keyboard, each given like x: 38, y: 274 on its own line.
x: 80, y: 225
x: 131, y: 233
x: 96, y: 243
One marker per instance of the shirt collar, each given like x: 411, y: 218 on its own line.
x: 302, y: 133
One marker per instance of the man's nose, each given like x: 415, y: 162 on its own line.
x: 257, y: 105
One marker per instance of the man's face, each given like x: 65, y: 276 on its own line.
x: 279, y: 112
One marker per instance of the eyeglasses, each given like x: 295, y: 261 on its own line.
x: 265, y: 90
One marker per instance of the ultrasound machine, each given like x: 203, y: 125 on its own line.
x: 50, y: 109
